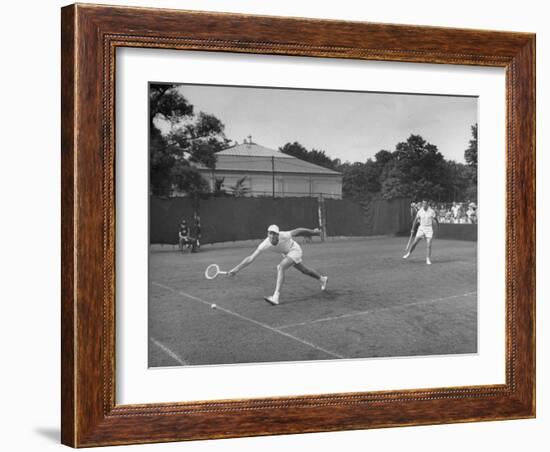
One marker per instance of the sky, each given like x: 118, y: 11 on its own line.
x: 351, y: 126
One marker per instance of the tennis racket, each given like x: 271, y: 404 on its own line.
x: 212, y: 271
x: 414, y: 230
x: 410, y: 240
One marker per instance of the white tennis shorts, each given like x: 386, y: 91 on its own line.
x: 427, y: 232
x: 295, y: 254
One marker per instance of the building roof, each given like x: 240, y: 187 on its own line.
x: 252, y: 150
x: 253, y: 157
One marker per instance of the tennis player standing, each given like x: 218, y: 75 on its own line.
x: 283, y: 242
x: 424, y: 218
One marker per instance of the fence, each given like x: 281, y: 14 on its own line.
x: 390, y: 217
x: 227, y: 219
x: 344, y: 217
x: 458, y: 232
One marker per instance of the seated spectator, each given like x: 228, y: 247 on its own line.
x: 184, y: 239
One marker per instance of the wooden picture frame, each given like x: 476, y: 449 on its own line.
x: 90, y: 36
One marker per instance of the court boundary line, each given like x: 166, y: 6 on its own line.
x: 169, y: 352
x: 371, y: 311
x: 256, y: 322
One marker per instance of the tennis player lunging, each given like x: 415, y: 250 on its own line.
x: 283, y: 242
x: 425, y: 218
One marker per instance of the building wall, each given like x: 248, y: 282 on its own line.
x: 288, y: 185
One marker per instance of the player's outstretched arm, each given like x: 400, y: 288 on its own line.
x: 244, y: 263
x: 305, y: 232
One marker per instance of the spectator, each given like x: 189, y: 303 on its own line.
x: 456, y: 209
x: 196, y: 235
x: 183, y: 236
x: 442, y: 212
x: 471, y: 213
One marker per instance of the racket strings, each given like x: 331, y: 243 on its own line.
x: 212, y: 271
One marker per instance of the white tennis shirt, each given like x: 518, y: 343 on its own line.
x: 285, y: 244
x: 426, y: 217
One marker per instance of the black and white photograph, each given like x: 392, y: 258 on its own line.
x: 251, y: 226
x: 297, y: 224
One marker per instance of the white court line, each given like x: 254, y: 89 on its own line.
x: 169, y: 352
x: 370, y: 311
x: 256, y: 322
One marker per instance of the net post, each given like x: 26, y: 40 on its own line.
x: 321, y: 216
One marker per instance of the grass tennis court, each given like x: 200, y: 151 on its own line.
x: 376, y: 304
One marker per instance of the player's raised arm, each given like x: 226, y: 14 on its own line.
x: 245, y: 262
x: 304, y: 232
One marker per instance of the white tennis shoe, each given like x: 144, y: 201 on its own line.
x: 428, y: 261
x: 273, y: 299
x: 324, y: 280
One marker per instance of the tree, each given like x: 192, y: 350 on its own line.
x: 392, y: 184
x: 239, y: 189
x: 167, y: 102
x: 317, y: 157
x: 360, y: 180
x: 416, y: 170
x: 382, y: 157
x: 458, y: 182
x: 179, y: 137
x: 218, y: 187
x: 470, y: 154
